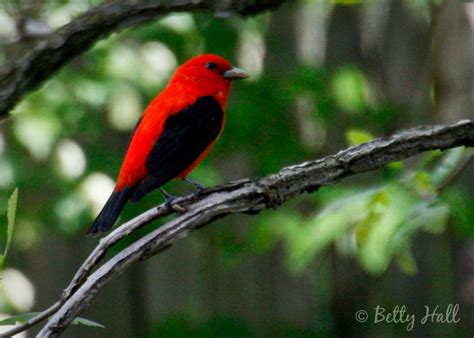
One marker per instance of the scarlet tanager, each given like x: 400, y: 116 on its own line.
x: 174, y: 134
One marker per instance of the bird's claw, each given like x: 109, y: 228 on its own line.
x: 169, y: 199
x: 199, y: 187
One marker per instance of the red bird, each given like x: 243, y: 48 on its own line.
x: 174, y: 134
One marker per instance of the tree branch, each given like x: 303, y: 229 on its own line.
x: 245, y: 196
x: 26, y: 74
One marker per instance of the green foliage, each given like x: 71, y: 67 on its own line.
x: 406, y: 261
x: 21, y: 318
x: 462, y: 213
x: 86, y: 322
x: 355, y: 136
x: 375, y: 225
x: 24, y: 317
x: 449, y: 164
x: 11, y: 212
x: 350, y: 89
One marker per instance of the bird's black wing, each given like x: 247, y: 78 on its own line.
x: 185, y: 136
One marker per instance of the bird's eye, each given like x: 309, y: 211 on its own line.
x: 211, y: 65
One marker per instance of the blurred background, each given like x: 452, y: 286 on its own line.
x: 325, y: 75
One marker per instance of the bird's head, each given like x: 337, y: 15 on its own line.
x: 208, y: 74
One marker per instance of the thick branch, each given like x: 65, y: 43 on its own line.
x: 29, y: 72
x: 248, y: 196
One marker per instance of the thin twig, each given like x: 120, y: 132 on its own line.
x: 35, y: 320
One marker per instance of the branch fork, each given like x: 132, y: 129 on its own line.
x: 244, y: 196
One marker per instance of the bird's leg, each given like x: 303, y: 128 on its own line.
x: 199, y: 187
x: 168, y: 197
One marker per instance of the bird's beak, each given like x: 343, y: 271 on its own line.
x: 235, y: 74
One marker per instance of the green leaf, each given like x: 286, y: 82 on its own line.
x: 428, y: 157
x: 376, y: 207
x: 375, y: 254
x: 355, y: 137
x: 86, y: 322
x: 433, y: 217
x: 461, y: 211
x: 11, y: 212
x: 350, y: 89
x: 406, y: 261
x: 423, y: 184
x: 24, y: 317
x: 429, y: 216
x: 307, y: 238
x: 448, y: 165
x: 21, y: 318
x: 396, y: 165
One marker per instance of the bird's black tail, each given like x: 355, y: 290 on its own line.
x: 111, y: 211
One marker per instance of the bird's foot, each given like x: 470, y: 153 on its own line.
x: 199, y: 187
x: 169, y: 199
